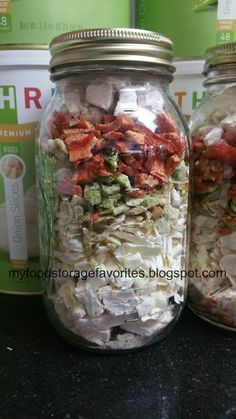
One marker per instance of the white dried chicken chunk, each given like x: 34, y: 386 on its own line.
x: 100, y: 95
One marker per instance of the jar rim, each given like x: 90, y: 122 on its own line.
x: 110, y: 45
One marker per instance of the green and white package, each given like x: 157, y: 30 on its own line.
x: 38, y: 21
x: 24, y: 91
x: 190, y: 24
x: 226, y: 21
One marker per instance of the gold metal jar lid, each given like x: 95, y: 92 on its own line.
x: 123, y: 45
x: 220, y: 56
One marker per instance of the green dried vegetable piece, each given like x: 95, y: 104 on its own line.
x: 107, y: 180
x: 112, y: 161
x: 120, y: 209
x: 151, y: 201
x: 92, y: 193
x: 179, y: 175
x: 110, y: 189
x: 110, y: 201
x: 123, y: 180
x: 134, y: 202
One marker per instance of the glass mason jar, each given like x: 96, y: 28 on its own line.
x: 212, y: 291
x: 112, y: 168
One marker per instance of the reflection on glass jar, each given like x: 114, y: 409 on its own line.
x: 112, y: 167
x: 212, y: 294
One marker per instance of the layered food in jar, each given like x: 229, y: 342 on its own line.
x: 212, y: 293
x: 112, y: 164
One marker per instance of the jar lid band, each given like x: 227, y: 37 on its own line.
x: 220, y: 56
x: 125, y: 45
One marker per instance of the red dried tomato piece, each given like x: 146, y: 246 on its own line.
x: 71, y: 132
x: 82, y: 174
x: 232, y: 192
x: 114, y: 135
x: 126, y: 170
x: 67, y: 187
x: 93, y: 168
x: 137, y: 137
x: 223, y: 152
x: 138, y: 192
x: 84, y: 123
x: 204, y: 186
x: 81, y: 150
x: 123, y: 146
x: 171, y: 164
x: 179, y: 143
x: 131, y: 161
x: 121, y: 123
x: 164, y: 123
x: 156, y: 167
x: 95, y: 216
x: 150, y: 138
x: 230, y: 138
x: 61, y: 121
x: 222, y: 230
x: 107, y: 118
x: 75, y: 138
x: 229, y: 219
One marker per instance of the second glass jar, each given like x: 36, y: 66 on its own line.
x: 212, y: 293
